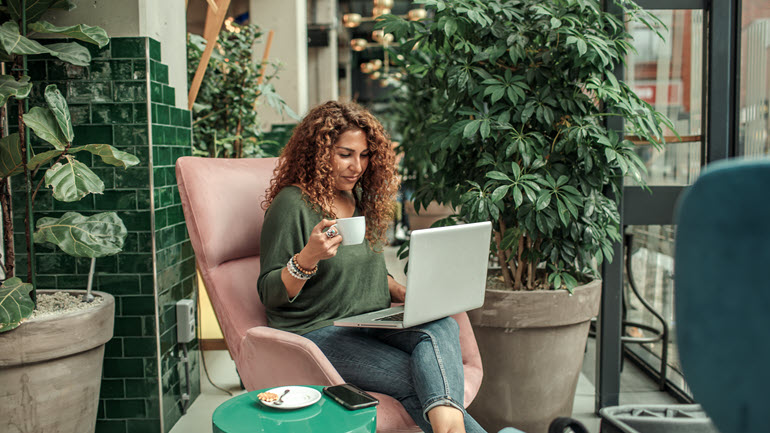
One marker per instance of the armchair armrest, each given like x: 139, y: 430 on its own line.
x: 270, y: 357
x: 472, y: 367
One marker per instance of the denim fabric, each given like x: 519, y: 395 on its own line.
x: 420, y: 366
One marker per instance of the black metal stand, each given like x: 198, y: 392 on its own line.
x: 661, y: 335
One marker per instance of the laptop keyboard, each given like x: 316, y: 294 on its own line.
x: 398, y: 317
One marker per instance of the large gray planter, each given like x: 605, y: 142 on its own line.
x: 51, y: 370
x: 532, y: 345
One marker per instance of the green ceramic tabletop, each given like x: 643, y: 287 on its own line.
x: 245, y: 413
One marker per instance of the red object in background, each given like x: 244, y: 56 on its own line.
x: 648, y: 92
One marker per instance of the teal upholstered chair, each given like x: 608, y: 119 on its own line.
x: 722, y: 293
x: 722, y: 300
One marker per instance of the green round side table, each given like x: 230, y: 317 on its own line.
x: 245, y: 414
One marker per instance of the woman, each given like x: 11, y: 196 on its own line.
x: 338, y: 164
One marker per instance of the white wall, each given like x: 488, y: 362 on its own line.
x: 288, y: 18
x: 162, y: 20
x: 323, y: 62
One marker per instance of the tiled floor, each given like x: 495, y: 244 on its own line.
x: 635, y: 386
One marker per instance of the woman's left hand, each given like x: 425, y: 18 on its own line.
x: 397, y: 291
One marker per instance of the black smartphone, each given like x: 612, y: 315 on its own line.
x: 350, y: 396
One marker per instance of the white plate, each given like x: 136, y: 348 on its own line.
x: 298, y: 396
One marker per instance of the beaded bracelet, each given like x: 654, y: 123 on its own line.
x: 298, y: 271
x: 310, y: 272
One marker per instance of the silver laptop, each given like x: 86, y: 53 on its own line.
x: 447, y: 275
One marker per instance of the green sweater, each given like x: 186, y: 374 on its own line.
x: 352, y: 282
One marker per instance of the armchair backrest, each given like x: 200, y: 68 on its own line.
x: 222, y: 201
x: 722, y: 293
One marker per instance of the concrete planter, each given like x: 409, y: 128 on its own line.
x: 532, y: 345
x: 51, y: 370
x: 427, y: 216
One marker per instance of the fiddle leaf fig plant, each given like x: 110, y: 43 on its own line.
x: 99, y: 235
x: 515, y: 127
x: 15, y: 303
x: 57, y: 167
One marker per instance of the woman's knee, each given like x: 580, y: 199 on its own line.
x: 444, y: 328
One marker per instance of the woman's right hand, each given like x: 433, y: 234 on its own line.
x: 319, y: 245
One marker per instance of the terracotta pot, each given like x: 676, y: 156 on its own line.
x: 427, y: 216
x: 51, y: 370
x: 532, y: 345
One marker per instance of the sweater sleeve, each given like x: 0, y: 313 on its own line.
x: 284, y: 233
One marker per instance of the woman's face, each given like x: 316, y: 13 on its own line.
x: 350, y: 157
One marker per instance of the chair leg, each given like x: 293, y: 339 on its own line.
x: 566, y: 425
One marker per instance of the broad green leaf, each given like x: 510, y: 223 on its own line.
x: 34, y: 9
x: 582, y: 47
x: 517, y: 196
x: 471, y: 128
x: 72, y: 180
x: 571, y: 207
x: 498, y: 176
x: 450, y: 27
x: 516, y: 170
x: 58, y: 106
x: 497, y: 93
x: 94, y: 236
x: 42, y: 158
x: 530, y: 189
x: 499, y: 192
x: 570, y: 189
x: 10, y: 87
x: 43, y: 122
x: 527, y: 113
x: 15, y: 303
x: 563, y: 212
x: 610, y: 154
x: 543, y: 201
x: 570, y: 281
x: 14, y: 43
x: 71, y: 52
x: 81, y: 32
x: 109, y: 154
x: 548, y: 115
x: 485, y: 129
x: 10, y: 156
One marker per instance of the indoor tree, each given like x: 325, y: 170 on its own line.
x: 515, y: 98
x: 226, y: 122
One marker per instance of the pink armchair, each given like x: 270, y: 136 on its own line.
x: 222, y: 207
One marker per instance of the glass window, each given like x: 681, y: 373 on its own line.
x: 669, y: 75
x: 652, y: 273
x: 753, y: 123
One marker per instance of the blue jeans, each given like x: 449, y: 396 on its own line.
x: 420, y: 366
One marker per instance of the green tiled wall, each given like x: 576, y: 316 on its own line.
x: 123, y: 99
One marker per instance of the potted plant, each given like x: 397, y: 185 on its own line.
x: 50, y: 365
x: 413, y: 110
x: 516, y: 135
x: 225, y: 116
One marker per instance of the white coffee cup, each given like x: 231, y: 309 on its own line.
x: 352, y: 229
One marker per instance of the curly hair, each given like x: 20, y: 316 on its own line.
x: 306, y: 161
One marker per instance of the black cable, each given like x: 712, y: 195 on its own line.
x: 188, y: 387
x: 203, y: 360
x: 203, y: 357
